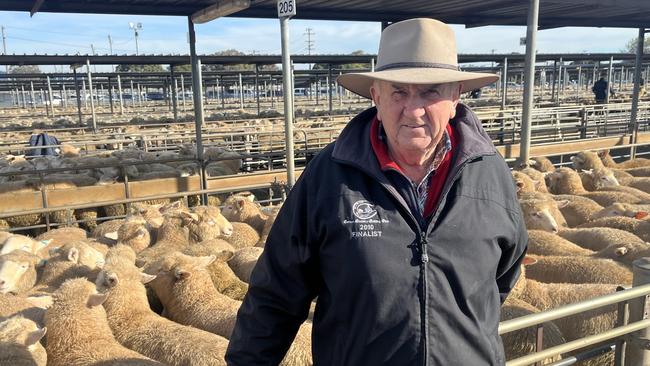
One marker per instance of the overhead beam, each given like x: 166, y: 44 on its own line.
x: 37, y: 5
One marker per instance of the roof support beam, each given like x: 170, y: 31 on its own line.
x: 197, y: 89
x: 634, y: 125
x: 36, y: 7
x: 529, y: 81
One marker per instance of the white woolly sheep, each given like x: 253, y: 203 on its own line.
x: 137, y: 327
x: 79, y: 331
x: 18, y: 272
x: 599, y: 238
x: 241, y: 209
x: 19, y: 343
x: 184, y: 287
x: 32, y: 308
x: 577, y: 209
x: 75, y: 259
x: 577, y: 269
x: 243, y: 262
x: 633, y: 163
x: 25, y: 243
x: 544, y: 243
x: 543, y: 214
x: 542, y: 163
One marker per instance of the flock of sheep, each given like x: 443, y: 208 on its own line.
x: 69, y: 297
x: 586, y: 226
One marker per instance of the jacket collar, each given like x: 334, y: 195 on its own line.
x: 353, y: 144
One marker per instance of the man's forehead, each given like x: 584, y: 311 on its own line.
x: 418, y: 86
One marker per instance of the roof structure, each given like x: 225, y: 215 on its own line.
x: 552, y: 13
x: 276, y: 59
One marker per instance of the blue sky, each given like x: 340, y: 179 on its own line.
x: 48, y: 33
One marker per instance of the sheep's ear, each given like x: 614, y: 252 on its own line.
x: 640, y: 215
x: 42, y: 302
x: 190, y: 216
x: 519, y: 185
x: 173, y: 205
x: 225, y: 255
x: 206, y: 261
x: 41, y: 263
x: 112, y: 235
x: 621, y: 251
x: 562, y: 203
x: 182, y: 274
x: 146, y: 278
x: 142, y: 232
x: 35, y: 336
x: 241, y: 202
x: 528, y: 261
x: 73, y: 255
x: 603, y: 153
x: 96, y: 300
x: 589, y: 172
x: 139, y: 262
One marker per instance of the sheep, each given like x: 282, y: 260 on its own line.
x: 243, y: 262
x: 594, y: 179
x: 106, y: 227
x: 133, y: 233
x: 59, y: 237
x: 637, y: 211
x: 599, y: 238
x: 542, y: 163
x: 182, y: 228
x: 75, y: 259
x: 542, y: 214
x: 586, y: 160
x: 22, y: 242
x: 643, y: 171
x: 547, y: 296
x: 544, y: 243
x: 32, y: 308
x: 243, y: 235
x: 640, y: 228
x: 604, y: 179
x: 241, y: 209
x: 577, y: 209
x: 18, y: 272
x: 577, y: 269
x: 567, y: 181
x: 522, y: 342
x: 87, y: 217
x: 184, y: 287
x: 20, y: 343
x: 523, y: 183
x: 137, y: 327
x: 633, y: 163
x: 79, y: 331
x: 223, y: 277
x: 537, y: 177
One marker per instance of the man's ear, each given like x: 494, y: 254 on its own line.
x: 456, y: 98
x: 374, y: 93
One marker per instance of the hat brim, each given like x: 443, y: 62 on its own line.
x: 360, y: 83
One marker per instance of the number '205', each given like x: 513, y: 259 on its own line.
x: 286, y: 6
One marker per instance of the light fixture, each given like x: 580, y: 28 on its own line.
x: 221, y: 9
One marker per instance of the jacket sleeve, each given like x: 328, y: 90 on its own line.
x: 282, y: 286
x: 512, y: 255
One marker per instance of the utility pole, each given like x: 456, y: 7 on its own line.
x: 4, y: 47
x: 92, y: 50
x: 136, y: 27
x: 309, y: 32
x: 110, y: 49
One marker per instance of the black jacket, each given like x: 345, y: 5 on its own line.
x: 388, y: 294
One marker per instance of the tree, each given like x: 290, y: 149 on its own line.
x: 25, y: 69
x: 139, y: 68
x: 630, y: 47
x: 355, y: 66
x: 235, y: 67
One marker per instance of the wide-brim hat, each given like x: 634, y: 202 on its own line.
x: 416, y: 51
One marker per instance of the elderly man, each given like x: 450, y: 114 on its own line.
x: 406, y: 230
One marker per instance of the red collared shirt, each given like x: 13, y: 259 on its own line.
x: 429, y: 190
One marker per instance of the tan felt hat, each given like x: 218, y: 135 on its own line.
x: 416, y: 51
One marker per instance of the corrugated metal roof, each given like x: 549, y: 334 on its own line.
x: 553, y: 13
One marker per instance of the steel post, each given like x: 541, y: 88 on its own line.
x: 77, y: 96
x: 257, y: 89
x: 288, y: 100
x: 634, y: 126
x: 90, y: 90
x: 197, y: 89
x: 329, y: 87
x: 610, y: 80
x: 529, y: 82
x: 637, y: 353
x: 173, y: 86
x: 50, y: 96
x: 119, y: 90
x: 504, y: 84
x: 32, y: 94
x: 110, y: 95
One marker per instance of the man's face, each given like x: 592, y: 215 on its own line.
x: 414, y: 116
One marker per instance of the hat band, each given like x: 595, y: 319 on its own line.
x: 430, y: 65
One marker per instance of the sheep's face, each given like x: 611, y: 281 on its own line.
x: 15, y: 268
x: 523, y: 183
x: 134, y: 233
x: 178, y: 267
x: 207, y: 223
x: 541, y: 215
x: 23, y: 243
x: 604, y: 178
x: 553, y: 181
x: 618, y: 209
x: 578, y: 162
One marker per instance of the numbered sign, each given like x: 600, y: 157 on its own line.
x: 286, y: 8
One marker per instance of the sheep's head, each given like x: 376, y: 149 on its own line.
x: 119, y: 271
x: 78, y: 293
x: 599, y: 178
x: 24, y: 333
x: 239, y: 208
x: 19, y: 242
x: 619, y: 209
x: 205, y: 223
x: 80, y: 253
x: 543, y: 214
x: 586, y: 160
x: 177, y: 266
x: 523, y: 183
x: 18, y: 271
x: 134, y: 233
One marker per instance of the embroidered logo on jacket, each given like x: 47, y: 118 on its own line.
x: 365, y: 223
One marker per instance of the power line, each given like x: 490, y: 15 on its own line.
x: 310, y: 43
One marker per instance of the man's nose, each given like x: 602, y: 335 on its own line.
x: 413, y: 109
